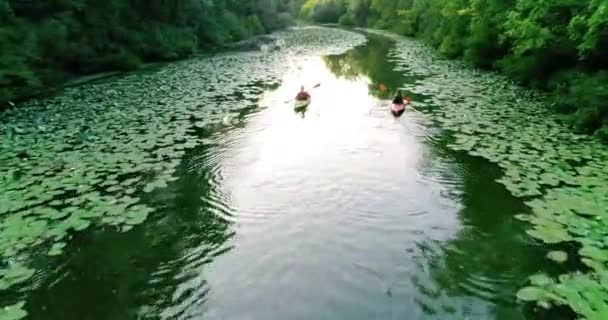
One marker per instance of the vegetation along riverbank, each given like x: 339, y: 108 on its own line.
x: 557, y: 46
x: 44, y: 43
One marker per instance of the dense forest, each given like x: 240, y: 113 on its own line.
x: 559, y: 46
x: 43, y: 43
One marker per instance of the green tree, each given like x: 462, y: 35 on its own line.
x: 45, y: 42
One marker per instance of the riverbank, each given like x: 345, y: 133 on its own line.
x: 44, y: 44
x: 254, y: 43
x: 561, y: 175
x: 556, y: 47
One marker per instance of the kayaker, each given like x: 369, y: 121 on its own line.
x: 302, y: 95
x: 399, y: 98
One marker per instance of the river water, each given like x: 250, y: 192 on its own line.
x: 339, y: 212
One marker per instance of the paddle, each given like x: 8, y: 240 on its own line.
x: 316, y: 86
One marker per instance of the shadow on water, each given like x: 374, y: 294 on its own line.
x: 136, y: 275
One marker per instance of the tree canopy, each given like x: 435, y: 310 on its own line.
x: 44, y: 42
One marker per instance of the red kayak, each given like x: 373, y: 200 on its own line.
x: 397, y: 109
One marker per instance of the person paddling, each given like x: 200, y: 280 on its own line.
x: 399, y: 98
x: 302, y: 95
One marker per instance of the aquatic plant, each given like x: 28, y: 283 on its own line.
x: 560, y: 174
x: 87, y: 157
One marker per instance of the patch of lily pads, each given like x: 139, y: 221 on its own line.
x: 86, y: 157
x: 562, y: 176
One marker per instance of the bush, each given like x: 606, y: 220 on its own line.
x: 602, y: 134
x: 591, y: 95
x: 587, y: 119
x: 347, y: 20
x: 527, y: 70
x: 166, y: 43
x: 236, y: 28
x: 52, y: 40
x: 328, y: 11
x: 583, y: 95
x: 283, y: 19
x: 254, y: 24
x: 17, y: 75
x: 121, y: 61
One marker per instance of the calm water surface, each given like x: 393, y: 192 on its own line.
x: 340, y: 212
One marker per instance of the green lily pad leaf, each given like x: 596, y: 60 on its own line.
x: 108, y: 183
x: 79, y: 224
x: 13, y: 312
x: 558, y: 256
x: 127, y: 200
x: 549, y: 179
x: 113, y: 189
x: 149, y: 187
x: 15, y: 274
x: 550, y: 234
x: 530, y: 293
x: 541, y: 280
x: 594, y: 253
x: 595, y: 265
x: 56, y: 249
x: 136, y: 217
x: 57, y: 214
x: 131, y: 181
x: 190, y: 144
x: 524, y: 217
x: 56, y: 203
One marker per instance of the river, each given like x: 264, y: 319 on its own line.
x: 339, y: 212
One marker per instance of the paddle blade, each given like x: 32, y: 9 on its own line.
x: 317, y: 85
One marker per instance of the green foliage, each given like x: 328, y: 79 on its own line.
x: 360, y: 10
x: 602, y: 134
x: 42, y: 43
x: 555, y: 45
x: 558, y: 256
x: 13, y: 312
x: 254, y: 24
x: 584, y: 96
x: 346, y: 20
x: 323, y: 11
x: 561, y: 174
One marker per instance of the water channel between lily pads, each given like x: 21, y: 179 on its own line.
x: 338, y: 212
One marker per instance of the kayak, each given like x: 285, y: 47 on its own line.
x: 302, y: 103
x: 397, y: 109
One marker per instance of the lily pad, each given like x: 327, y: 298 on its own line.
x: 13, y: 312
x: 550, y: 235
x: 532, y: 294
x: 558, y: 256
x: 56, y: 249
x: 14, y: 274
x: 594, y: 253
